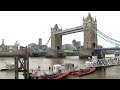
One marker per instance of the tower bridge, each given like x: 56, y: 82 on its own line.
x: 90, y: 38
x: 90, y: 32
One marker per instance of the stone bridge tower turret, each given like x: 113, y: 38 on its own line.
x: 56, y: 43
x: 56, y: 39
x: 90, y: 37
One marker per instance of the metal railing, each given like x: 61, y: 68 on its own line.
x: 103, y: 62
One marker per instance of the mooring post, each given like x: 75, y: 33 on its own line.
x: 27, y: 62
x: 24, y: 65
x: 16, y: 67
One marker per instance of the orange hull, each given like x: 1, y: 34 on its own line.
x: 80, y: 73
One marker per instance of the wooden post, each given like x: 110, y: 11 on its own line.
x: 16, y: 67
x: 27, y: 62
x: 24, y: 65
x: 24, y: 62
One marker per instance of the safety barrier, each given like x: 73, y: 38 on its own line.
x: 103, y: 62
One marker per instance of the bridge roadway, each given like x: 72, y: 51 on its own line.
x: 58, y: 51
x: 97, y: 49
x: 71, y: 30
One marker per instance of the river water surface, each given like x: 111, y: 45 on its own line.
x: 112, y: 72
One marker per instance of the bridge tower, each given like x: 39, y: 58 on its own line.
x: 56, y: 39
x: 90, y: 38
x: 56, y: 42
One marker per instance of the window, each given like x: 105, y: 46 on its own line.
x: 92, y: 53
x: 93, y: 45
x: 58, y: 48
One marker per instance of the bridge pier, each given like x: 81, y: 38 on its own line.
x: 86, y: 52
x: 100, y: 54
x: 51, y: 53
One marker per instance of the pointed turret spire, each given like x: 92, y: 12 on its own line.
x: 83, y: 18
x: 61, y: 28
x: 95, y: 19
x: 2, y: 41
x: 51, y: 28
x: 56, y: 26
x: 89, y: 16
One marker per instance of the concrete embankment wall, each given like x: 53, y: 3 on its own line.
x: 9, y: 54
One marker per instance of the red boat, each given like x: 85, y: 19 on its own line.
x: 56, y: 73
x: 62, y: 75
x: 83, y: 71
x: 53, y: 76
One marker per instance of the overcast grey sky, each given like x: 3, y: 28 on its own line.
x: 27, y: 26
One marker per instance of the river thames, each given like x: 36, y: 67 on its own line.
x: 112, y: 72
